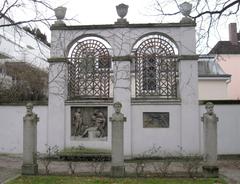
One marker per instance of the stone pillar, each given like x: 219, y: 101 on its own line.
x: 117, y: 120
x: 122, y: 93
x: 30, y: 120
x: 56, y: 101
x: 188, y: 74
x: 210, y: 168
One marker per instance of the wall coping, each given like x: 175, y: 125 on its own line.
x: 114, y: 26
x: 35, y: 103
x: 220, y: 102
x: 134, y: 101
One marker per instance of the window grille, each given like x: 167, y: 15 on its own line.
x: 156, y: 67
x: 89, y: 70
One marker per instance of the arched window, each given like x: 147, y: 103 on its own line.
x: 89, y: 68
x: 156, y: 67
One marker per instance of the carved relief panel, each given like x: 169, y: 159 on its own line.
x: 89, y: 122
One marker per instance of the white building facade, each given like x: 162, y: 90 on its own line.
x: 151, y: 69
x: 18, y: 45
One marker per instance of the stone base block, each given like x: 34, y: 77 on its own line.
x: 210, y: 171
x: 118, y: 171
x: 122, y: 21
x: 29, y: 169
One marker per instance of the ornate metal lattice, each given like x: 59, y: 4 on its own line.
x: 89, y: 70
x: 156, y: 68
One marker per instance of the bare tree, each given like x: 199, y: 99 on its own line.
x: 211, y: 17
x: 19, y: 27
x: 34, y: 9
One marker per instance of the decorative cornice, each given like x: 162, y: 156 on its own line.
x: 114, y: 26
x: 57, y: 60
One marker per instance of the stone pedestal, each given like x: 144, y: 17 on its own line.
x: 118, y: 171
x: 117, y: 150
x: 30, y: 120
x: 210, y: 171
x: 117, y: 120
x: 29, y: 169
x: 210, y: 168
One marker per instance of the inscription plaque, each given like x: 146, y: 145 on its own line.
x: 155, y: 119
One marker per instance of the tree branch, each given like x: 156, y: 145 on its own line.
x: 218, y: 11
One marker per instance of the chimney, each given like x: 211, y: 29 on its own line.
x: 233, y: 37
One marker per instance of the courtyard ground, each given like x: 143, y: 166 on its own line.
x: 10, y: 167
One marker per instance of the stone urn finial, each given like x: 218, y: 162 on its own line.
x: 60, y: 13
x: 122, y: 10
x: 186, y: 8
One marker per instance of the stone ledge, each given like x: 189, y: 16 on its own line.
x: 215, y: 76
x: 128, y: 58
x: 90, y: 101
x: 154, y: 101
x: 57, y: 60
x: 189, y: 57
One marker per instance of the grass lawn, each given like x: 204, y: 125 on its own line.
x: 99, y: 180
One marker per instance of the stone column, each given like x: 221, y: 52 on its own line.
x: 122, y: 93
x: 57, y: 87
x: 117, y: 120
x: 30, y: 120
x: 210, y: 168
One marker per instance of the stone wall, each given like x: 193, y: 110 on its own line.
x: 11, y: 132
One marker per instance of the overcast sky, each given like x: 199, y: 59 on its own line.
x: 87, y: 12
x: 104, y: 11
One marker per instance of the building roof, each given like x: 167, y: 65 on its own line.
x: 208, y: 67
x: 225, y: 47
